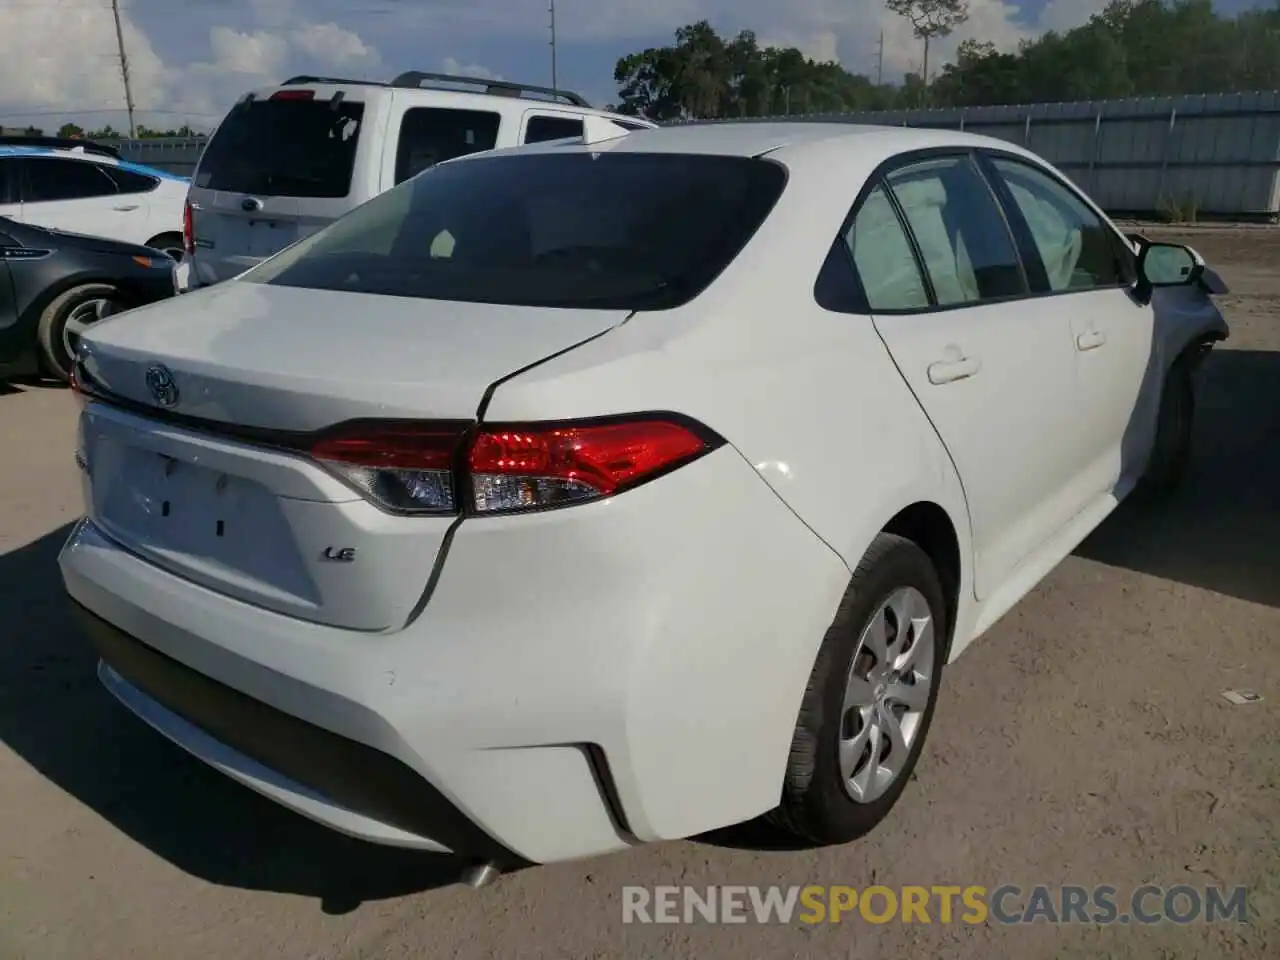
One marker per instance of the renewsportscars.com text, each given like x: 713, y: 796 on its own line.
x: 1006, y: 904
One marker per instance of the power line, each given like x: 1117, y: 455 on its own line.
x: 76, y: 111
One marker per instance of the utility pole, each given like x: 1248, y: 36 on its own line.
x: 554, y: 84
x: 880, y: 61
x: 124, y: 68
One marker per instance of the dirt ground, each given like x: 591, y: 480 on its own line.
x: 1083, y: 741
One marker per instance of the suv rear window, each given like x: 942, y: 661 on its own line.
x: 284, y: 148
x: 630, y: 231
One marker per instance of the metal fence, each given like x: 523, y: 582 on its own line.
x: 1213, y: 155
x: 176, y: 154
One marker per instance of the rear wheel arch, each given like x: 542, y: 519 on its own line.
x: 929, y: 526
x: 168, y: 242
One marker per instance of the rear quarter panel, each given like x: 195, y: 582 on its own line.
x: 810, y: 398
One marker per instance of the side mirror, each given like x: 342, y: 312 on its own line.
x: 1164, y: 265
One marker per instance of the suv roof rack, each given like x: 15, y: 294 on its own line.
x: 59, y: 143
x: 502, y: 88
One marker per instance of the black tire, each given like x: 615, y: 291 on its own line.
x: 168, y: 243
x: 815, y: 804
x: 1171, y: 451
x: 55, y: 360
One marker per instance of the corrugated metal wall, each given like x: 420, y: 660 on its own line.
x: 1217, y: 154
x: 176, y: 154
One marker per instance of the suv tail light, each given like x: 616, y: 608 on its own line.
x: 441, y: 468
x: 188, y: 229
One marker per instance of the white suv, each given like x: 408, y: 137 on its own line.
x: 290, y: 159
x: 84, y: 187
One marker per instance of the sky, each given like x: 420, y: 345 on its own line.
x: 190, y: 59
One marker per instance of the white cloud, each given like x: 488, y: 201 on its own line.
x: 39, y: 42
x: 258, y: 42
x: 330, y: 43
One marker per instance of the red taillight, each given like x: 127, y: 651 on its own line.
x: 294, y: 95
x: 188, y: 229
x: 522, y: 467
x: 405, y: 467
x: 413, y: 467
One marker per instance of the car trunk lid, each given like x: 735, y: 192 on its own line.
x: 197, y: 458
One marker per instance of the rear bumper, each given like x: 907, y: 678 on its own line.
x: 580, y: 680
x: 352, y: 787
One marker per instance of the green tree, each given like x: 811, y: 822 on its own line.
x: 702, y: 75
x: 930, y: 19
x: 70, y: 131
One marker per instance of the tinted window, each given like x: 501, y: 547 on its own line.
x: 1076, y: 247
x: 284, y: 148
x: 9, y: 171
x: 617, y: 231
x: 883, y: 257
x: 539, y: 129
x: 129, y: 182
x: 431, y: 135
x: 8, y: 241
x: 963, y: 239
x: 53, y: 179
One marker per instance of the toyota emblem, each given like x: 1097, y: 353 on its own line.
x: 162, y: 386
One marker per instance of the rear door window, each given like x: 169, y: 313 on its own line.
x: 52, y: 178
x: 284, y: 148
x: 543, y: 128
x: 431, y: 135
x: 129, y: 182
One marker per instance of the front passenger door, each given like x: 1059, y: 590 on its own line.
x: 11, y: 188
x: 993, y: 370
x: 1085, y: 269
x: 10, y: 336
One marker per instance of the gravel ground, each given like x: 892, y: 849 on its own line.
x: 1083, y: 741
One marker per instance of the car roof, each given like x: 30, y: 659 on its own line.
x: 44, y: 152
x: 783, y: 138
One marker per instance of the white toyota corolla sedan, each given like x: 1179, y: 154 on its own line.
x: 613, y: 490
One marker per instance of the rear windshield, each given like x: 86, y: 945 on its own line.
x: 284, y: 148
x: 575, y: 229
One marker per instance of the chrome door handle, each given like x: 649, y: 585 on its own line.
x: 125, y: 207
x: 1090, y: 340
x: 949, y: 371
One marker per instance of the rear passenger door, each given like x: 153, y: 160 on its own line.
x: 993, y: 370
x: 425, y: 136
x: 76, y: 196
